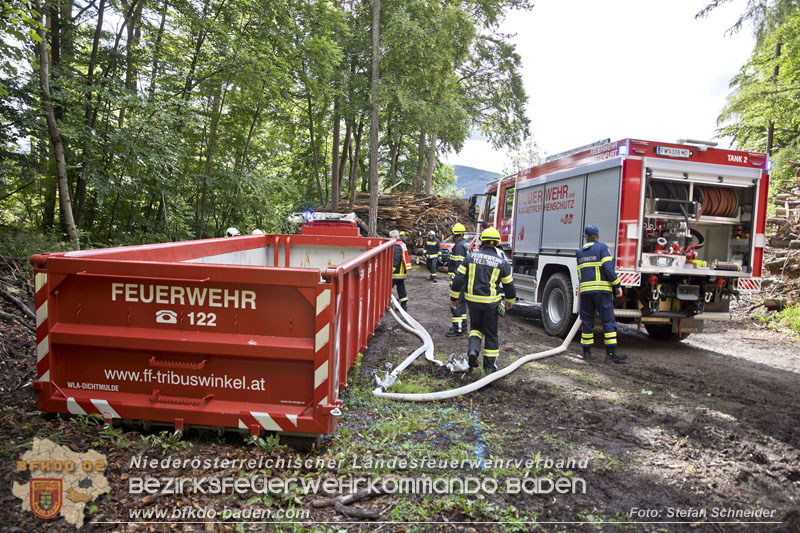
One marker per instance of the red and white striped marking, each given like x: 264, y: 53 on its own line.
x: 42, y: 332
x: 322, y: 347
x: 92, y: 406
x: 270, y: 422
x: 630, y: 279
x: 749, y: 285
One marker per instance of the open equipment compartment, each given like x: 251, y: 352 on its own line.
x: 698, y: 220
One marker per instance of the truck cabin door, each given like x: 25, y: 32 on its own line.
x: 490, y: 214
x: 504, y: 225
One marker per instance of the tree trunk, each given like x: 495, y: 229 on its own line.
x: 55, y: 137
x: 130, y: 46
x: 348, y: 134
x: 201, y: 37
x: 50, y: 195
x: 310, y: 111
x: 335, y: 176
x: 336, y: 179
x: 354, y: 163
x: 393, y: 164
x: 420, y: 162
x: 212, y: 142
x: 253, y: 123
x: 88, y: 118
x: 157, y: 51
x: 431, y: 161
x: 771, y: 127
x: 373, y: 120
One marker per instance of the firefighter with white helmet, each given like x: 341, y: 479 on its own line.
x: 432, y: 254
x: 401, y: 263
x: 457, y: 255
x: 480, y: 276
x: 232, y: 232
x: 597, y: 281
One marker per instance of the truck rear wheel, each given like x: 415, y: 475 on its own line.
x: 663, y: 332
x: 557, y: 303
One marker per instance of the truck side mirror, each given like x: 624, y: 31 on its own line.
x: 473, y: 200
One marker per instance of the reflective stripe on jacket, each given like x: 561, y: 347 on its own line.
x: 596, y: 268
x: 401, y: 262
x: 481, y: 274
x: 433, y: 248
x: 457, y: 255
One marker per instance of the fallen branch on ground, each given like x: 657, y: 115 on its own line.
x: 352, y: 512
x: 19, y: 303
x: 347, y: 499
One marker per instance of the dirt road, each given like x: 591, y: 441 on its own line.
x: 684, y: 436
x: 707, y: 426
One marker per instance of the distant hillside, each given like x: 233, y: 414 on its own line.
x: 473, y: 180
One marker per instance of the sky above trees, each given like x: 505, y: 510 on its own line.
x: 590, y: 67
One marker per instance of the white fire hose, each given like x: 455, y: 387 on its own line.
x: 427, y: 347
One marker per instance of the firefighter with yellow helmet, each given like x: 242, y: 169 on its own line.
x: 457, y: 255
x: 480, y: 277
x: 401, y: 264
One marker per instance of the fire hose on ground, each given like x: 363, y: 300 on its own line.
x: 415, y: 327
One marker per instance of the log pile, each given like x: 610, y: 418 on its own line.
x: 415, y: 214
x: 782, y: 256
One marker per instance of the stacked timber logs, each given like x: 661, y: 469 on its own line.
x: 782, y: 256
x: 415, y: 214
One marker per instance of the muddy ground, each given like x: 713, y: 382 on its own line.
x: 705, y: 426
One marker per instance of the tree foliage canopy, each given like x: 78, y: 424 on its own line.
x: 767, y: 88
x: 181, y: 118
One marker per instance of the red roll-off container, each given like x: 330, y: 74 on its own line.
x: 255, y: 332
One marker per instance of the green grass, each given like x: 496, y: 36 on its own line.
x: 462, y: 507
x: 421, y: 383
x: 166, y: 442
x: 787, y: 319
x: 606, y: 462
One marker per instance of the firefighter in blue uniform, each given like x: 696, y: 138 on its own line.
x: 401, y: 262
x: 597, y: 281
x: 480, y: 277
x: 433, y: 253
x: 457, y: 255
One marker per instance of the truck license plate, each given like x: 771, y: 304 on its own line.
x: 673, y: 152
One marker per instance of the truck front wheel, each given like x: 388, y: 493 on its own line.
x: 663, y: 332
x: 557, y: 303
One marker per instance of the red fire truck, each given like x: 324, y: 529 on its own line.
x: 685, y: 222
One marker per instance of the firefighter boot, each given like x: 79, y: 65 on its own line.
x: 613, y: 357
x: 587, y: 353
x: 431, y: 278
x: 489, y: 365
x: 454, y: 331
x: 473, y: 358
x: 404, y: 305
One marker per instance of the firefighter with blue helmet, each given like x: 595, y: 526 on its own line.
x: 598, y: 281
